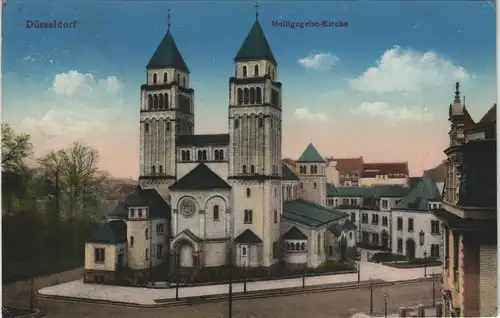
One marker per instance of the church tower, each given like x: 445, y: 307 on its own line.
x: 255, y: 144
x: 312, y: 175
x: 167, y: 111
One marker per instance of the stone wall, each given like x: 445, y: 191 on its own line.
x: 488, y: 281
x: 18, y: 294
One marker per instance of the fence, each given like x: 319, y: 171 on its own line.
x: 18, y: 294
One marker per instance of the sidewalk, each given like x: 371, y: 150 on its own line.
x: 147, y: 296
x: 429, y: 312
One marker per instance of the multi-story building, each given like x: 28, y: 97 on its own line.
x: 344, y: 172
x: 393, y: 218
x: 395, y: 173
x: 469, y: 215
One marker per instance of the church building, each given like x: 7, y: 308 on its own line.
x: 226, y: 198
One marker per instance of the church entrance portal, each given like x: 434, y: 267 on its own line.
x: 410, y: 249
x: 186, y: 256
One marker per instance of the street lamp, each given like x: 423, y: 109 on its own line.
x: 385, y: 304
x: 425, y: 263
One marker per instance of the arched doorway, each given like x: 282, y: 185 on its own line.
x: 385, y: 239
x: 410, y: 249
x: 186, y: 255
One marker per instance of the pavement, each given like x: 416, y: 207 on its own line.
x: 150, y: 296
x: 333, y: 303
x: 429, y: 312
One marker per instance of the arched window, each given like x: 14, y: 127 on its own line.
x: 236, y: 123
x: 178, y: 79
x: 244, y: 169
x: 146, y: 254
x: 261, y: 122
x: 422, y: 237
x: 256, y: 70
x: 287, y: 246
x: 155, y: 101
x: 200, y: 155
x: 165, y: 97
x: 239, y: 96
x: 165, y: 78
x: 216, y: 212
x: 252, y: 95
x: 301, y: 185
x: 153, y: 169
x: 252, y: 169
x: 155, y: 78
x: 150, y: 102
x: 289, y: 192
x: 249, y: 192
x: 314, y: 185
x: 268, y: 70
x: 244, y: 251
x: 161, y: 169
x: 184, y: 81
x: 160, y: 101
x: 146, y: 234
x: 183, y: 155
x: 292, y: 247
x: 272, y: 75
x: 246, y: 96
x: 146, y: 127
x: 221, y: 154
x: 258, y: 95
x: 297, y: 246
x: 216, y: 154
x: 294, y: 192
x: 245, y: 71
x: 188, y: 155
x: 167, y: 126
x: 303, y: 246
x: 204, y: 155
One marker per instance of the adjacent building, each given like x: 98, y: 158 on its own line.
x: 393, y: 218
x: 344, y: 172
x: 469, y: 214
x: 387, y: 173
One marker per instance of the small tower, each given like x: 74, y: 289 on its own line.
x: 254, y: 116
x: 312, y: 175
x: 457, y: 117
x: 167, y: 111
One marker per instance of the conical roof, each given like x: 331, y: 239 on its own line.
x: 167, y: 55
x: 311, y: 155
x: 255, y: 46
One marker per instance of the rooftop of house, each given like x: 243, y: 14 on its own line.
x: 203, y: 140
x: 294, y: 234
x: 112, y: 232
x: 420, y: 196
x: 150, y: 198
x: 390, y: 169
x: 347, y: 165
x: 287, y: 173
x: 310, y: 214
x: 375, y: 192
x: 311, y: 155
x: 248, y: 237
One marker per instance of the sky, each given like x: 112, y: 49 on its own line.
x: 379, y: 87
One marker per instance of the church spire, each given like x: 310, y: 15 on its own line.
x: 168, y: 18
x: 257, y: 12
x: 457, y: 93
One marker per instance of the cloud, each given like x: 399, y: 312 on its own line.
x: 81, y: 107
x: 400, y: 70
x: 319, y: 61
x: 383, y: 110
x: 307, y: 115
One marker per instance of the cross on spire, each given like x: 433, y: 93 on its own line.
x: 257, y: 12
x: 457, y: 92
x: 168, y: 18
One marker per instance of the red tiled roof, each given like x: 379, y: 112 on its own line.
x: 391, y: 169
x: 348, y: 165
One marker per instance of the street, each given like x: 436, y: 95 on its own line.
x: 342, y: 303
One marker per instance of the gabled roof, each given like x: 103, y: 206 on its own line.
x: 112, y: 232
x: 203, y: 140
x: 391, y: 169
x: 310, y: 214
x: 191, y: 235
x: 143, y: 197
x: 337, y: 228
x: 294, y: 234
x: 200, y: 178
x: 255, y: 46
x: 350, y: 192
x: 347, y: 165
x: 167, y: 55
x: 310, y: 155
x: 414, y: 181
x: 287, y: 173
x: 490, y: 116
x: 420, y: 196
x: 247, y: 237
